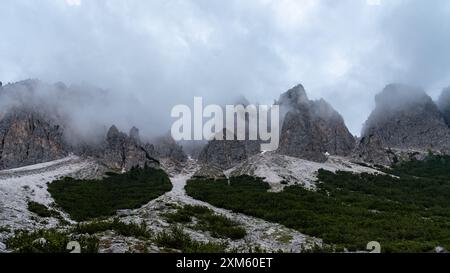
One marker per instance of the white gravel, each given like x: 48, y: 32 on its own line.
x: 18, y: 186
x: 275, y: 169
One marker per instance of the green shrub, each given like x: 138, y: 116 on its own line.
x: 49, y: 241
x: 89, y: 199
x: 5, y: 229
x: 406, y: 214
x: 178, y: 240
x: 128, y: 230
x: 219, y: 225
x: 39, y: 209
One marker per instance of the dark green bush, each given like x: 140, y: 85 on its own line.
x: 219, y: 226
x: 55, y: 242
x: 4, y: 229
x: 89, y: 199
x: 406, y: 214
x: 39, y: 209
x: 178, y: 240
x: 129, y: 230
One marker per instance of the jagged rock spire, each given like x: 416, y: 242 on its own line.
x: 134, y: 135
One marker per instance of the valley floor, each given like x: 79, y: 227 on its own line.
x: 18, y: 186
x: 260, y: 234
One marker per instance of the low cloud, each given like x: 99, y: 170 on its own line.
x: 152, y: 55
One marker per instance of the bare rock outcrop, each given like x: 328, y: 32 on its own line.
x: 28, y: 137
x: 118, y: 151
x: 311, y: 129
x: 224, y: 154
x: 209, y: 172
x: 222, y: 151
x: 444, y: 104
x: 406, y: 123
x: 122, y: 151
x: 165, y: 147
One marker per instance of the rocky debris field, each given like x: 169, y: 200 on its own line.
x: 21, y: 185
x: 281, y: 171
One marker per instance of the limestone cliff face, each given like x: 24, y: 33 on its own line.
x: 220, y: 153
x: 27, y: 137
x: 165, y: 147
x: 225, y: 154
x: 35, y: 127
x: 122, y: 151
x: 118, y: 151
x: 444, y: 104
x: 310, y: 129
x: 405, y: 119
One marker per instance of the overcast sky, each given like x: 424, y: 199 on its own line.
x: 159, y: 53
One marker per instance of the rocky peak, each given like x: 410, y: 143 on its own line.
x: 294, y: 97
x: 310, y: 129
x: 114, y: 134
x: 165, y: 147
x: 225, y: 154
x: 399, y: 96
x: 121, y: 151
x: 134, y: 135
x: 322, y: 109
x: 405, y: 118
x: 398, y: 100
x: 444, y: 104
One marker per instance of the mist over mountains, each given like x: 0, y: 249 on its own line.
x: 41, y: 122
x: 248, y: 52
x: 145, y: 52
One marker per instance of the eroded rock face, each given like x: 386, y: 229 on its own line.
x: 444, y: 104
x: 27, y: 137
x: 310, y: 129
x: 224, y: 154
x: 166, y: 147
x: 371, y: 149
x: 35, y: 128
x: 119, y: 151
x: 405, y: 120
x: 122, y: 151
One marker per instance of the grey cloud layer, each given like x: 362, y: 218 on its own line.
x: 155, y: 54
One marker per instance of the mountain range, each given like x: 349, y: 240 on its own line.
x: 406, y: 123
